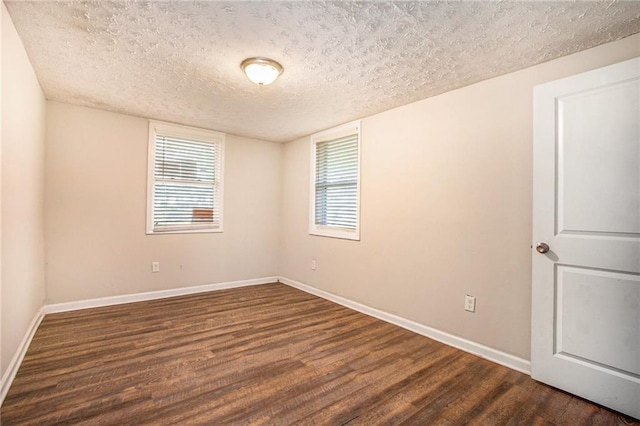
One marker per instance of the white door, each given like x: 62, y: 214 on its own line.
x: 586, y: 287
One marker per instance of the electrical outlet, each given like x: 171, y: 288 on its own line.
x: 313, y: 264
x: 155, y: 266
x: 469, y: 303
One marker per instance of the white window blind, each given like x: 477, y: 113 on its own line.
x: 186, y: 181
x: 337, y: 182
x: 335, y: 205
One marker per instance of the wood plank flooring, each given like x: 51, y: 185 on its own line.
x: 266, y: 354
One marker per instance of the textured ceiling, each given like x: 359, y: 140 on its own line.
x: 180, y: 61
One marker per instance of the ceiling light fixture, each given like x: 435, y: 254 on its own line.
x: 261, y: 71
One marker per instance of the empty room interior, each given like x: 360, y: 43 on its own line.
x: 320, y: 212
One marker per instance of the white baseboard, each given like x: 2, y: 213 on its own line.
x: 152, y: 295
x: 499, y: 357
x: 12, y: 369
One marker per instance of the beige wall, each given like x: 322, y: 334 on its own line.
x: 445, y: 210
x: 2, y: 366
x: 96, y: 168
x: 23, y: 130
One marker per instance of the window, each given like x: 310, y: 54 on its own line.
x: 335, y: 182
x: 185, y: 179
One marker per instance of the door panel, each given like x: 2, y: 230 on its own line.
x: 598, y: 133
x: 586, y: 288
x: 616, y: 298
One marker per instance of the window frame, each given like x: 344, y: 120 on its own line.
x: 346, y: 129
x: 201, y: 135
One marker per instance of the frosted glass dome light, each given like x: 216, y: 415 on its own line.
x: 261, y: 71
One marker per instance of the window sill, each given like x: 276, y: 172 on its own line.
x: 335, y: 233
x: 185, y: 231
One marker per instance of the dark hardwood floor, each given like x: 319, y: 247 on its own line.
x: 267, y: 354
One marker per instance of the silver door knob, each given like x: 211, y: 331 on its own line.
x: 542, y: 247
